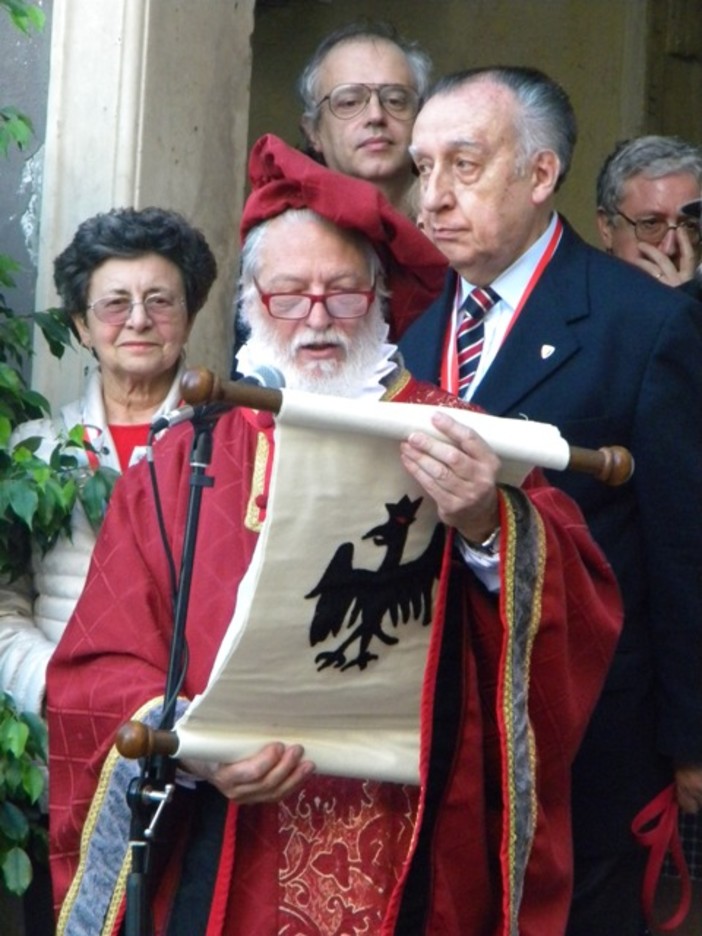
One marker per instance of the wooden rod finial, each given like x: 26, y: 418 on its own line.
x: 135, y: 739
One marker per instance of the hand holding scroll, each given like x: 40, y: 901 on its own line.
x: 611, y: 464
x: 460, y: 478
x: 265, y: 777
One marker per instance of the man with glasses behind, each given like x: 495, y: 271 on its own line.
x: 648, y: 197
x: 642, y: 189
x: 361, y: 91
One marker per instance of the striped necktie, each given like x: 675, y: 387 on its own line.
x: 471, y: 333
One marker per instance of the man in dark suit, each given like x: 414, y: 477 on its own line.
x: 579, y: 339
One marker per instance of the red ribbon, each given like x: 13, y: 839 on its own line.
x: 656, y: 828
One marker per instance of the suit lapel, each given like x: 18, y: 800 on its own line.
x: 423, y: 344
x: 543, y: 337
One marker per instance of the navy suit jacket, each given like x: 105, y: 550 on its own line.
x: 626, y: 368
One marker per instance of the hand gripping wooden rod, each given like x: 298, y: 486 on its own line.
x: 614, y: 465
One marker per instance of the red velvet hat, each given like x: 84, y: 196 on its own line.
x: 283, y: 178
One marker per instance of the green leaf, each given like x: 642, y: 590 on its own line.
x: 13, y: 822
x: 38, y: 742
x: 24, y: 15
x: 94, y: 494
x: 5, y: 431
x: 26, y: 448
x: 32, y: 398
x: 76, y: 435
x: 8, y: 266
x: 23, y: 501
x: 16, y: 870
x: 32, y: 782
x: 55, y: 330
x: 10, y: 379
x: 13, y: 780
x: 62, y: 459
x: 36, y: 500
x: 15, y: 338
x: 13, y: 736
x: 21, y: 782
x: 56, y: 499
x: 15, y: 127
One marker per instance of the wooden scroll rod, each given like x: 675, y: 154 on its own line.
x: 614, y: 464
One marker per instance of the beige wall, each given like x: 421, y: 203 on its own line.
x: 674, y: 90
x: 597, y: 49
x: 148, y: 105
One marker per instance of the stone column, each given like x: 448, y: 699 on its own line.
x: 148, y: 105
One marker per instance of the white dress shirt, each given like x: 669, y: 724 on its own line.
x: 510, y: 286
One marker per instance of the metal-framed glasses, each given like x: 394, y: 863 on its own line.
x: 340, y: 304
x: 349, y: 100
x: 115, y: 310
x: 652, y: 230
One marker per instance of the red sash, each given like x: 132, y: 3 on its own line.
x: 449, y: 359
x: 656, y: 828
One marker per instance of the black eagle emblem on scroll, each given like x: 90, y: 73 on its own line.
x: 366, y: 599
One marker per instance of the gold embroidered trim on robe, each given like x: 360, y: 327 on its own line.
x: 105, y: 787
x: 400, y: 379
x: 522, y: 587
x: 255, y: 516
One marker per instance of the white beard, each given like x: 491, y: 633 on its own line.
x: 346, y: 377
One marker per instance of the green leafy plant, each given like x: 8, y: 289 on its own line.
x: 15, y: 127
x: 24, y: 15
x: 23, y: 752
x: 23, y: 747
x: 37, y: 497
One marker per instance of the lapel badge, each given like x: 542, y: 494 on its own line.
x: 546, y: 351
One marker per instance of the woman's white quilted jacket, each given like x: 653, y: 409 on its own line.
x: 35, y: 609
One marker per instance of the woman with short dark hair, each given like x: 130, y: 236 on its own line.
x: 131, y: 283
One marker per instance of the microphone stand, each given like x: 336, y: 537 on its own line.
x: 150, y: 792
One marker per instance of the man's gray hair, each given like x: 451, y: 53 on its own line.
x: 651, y: 156
x: 545, y: 119
x: 418, y: 61
x: 253, y: 246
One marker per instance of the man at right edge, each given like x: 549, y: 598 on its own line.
x: 586, y: 342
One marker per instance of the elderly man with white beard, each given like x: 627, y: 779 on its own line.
x: 524, y: 624
x: 327, y: 338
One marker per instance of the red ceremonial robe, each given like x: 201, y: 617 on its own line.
x: 482, y: 848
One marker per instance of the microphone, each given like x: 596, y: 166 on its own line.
x: 263, y: 376
x: 179, y: 415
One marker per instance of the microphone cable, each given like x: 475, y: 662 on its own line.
x: 263, y: 376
